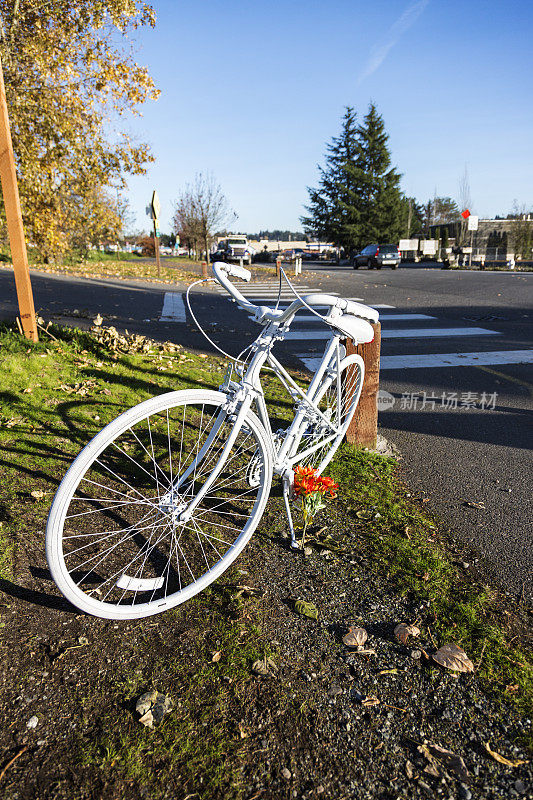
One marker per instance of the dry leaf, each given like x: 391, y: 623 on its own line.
x: 453, y: 657
x: 98, y: 320
x: 147, y: 719
x: 432, y: 769
x: 501, y: 759
x: 37, y: 494
x: 356, y: 637
x: 216, y: 656
x: 389, y: 671
x: 370, y: 701
x: 451, y: 761
x: 248, y: 591
x: 306, y: 609
x: 409, y: 770
x: 153, y: 706
x: 403, y: 631
x: 265, y: 666
x: 474, y: 504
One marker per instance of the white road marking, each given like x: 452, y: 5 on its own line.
x: 408, y: 333
x: 383, y: 317
x: 428, y: 361
x: 173, y: 308
x: 458, y: 359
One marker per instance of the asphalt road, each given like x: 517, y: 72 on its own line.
x: 464, y: 431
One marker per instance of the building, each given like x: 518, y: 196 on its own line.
x: 494, y: 240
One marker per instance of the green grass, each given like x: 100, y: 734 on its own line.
x: 404, y: 545
x: 200, y: 737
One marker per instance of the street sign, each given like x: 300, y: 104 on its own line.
x: 156, y: 227
x: 473, y: 222
x: 465, y: 214
x: 408, y: 245
x: 428, y: 247
x: 156, y: 205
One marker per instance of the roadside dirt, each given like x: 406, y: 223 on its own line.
x: 327, y: 722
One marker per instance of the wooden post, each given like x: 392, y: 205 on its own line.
x: 278, y: 266
x: 157, y: 255
x: 363, y: 430
x: 204, y: 269
x: 15, y: 228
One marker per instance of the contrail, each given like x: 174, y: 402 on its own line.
x: 380, y: 53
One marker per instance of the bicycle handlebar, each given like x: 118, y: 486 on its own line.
x: 222, y: 270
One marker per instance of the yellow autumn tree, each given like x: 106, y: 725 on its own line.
x: 69, y: 79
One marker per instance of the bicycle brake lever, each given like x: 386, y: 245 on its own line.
x: 262, y: 311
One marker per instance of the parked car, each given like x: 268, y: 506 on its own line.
x: 377, y: 255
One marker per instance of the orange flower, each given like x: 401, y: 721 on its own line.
x: 306, y: 482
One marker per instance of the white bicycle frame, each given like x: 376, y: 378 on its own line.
x: 243, y: 393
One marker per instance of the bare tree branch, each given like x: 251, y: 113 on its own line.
x: 200, y: 211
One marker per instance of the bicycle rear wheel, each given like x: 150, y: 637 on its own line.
x: 337, y: 397
x: 115, y: 544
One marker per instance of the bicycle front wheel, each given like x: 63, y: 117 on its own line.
x: 115, y: 544
x: 336, y: 397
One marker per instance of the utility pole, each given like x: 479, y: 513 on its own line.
x: 15, y: 228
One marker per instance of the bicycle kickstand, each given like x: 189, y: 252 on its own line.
x: 288, y: 479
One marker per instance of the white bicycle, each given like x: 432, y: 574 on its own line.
x: 161, y: 501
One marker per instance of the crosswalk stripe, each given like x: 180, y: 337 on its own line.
x: 408, y: 333
x: 384, y: 318
x: 426, y: 361
x: 173, y: 308
x: 458, y: 359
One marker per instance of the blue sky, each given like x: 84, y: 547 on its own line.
x: 252, y: 92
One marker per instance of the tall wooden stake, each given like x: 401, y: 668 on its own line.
x: 15, y: 229
x: 363, y: 430
x: 157, y: 253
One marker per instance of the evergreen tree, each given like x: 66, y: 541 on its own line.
x: 358, y: 200
x: 381, y: 215
x: 333, y: 210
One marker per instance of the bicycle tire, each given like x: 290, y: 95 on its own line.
x: 145, y: 560
x: 337, y: 402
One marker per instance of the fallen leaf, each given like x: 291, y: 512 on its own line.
x: 265, y: 666
x: 404, y: 630
x: 37, y: 494
x: 153, y: 706
x: 367, y: 702
x: 451, y: 761
x: 98, y: 320
x: 433, y: 768
x: 409, y: 770
x: 248, y: 591
x: 501, y: 759
x: 306, y: 609
x: 453, y: 657
x: 474, y: 504
x: 363, y: 514
x: 216, y: 656
x: 389, y: 672
x: 356, y: 637
x: 147, y: 719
